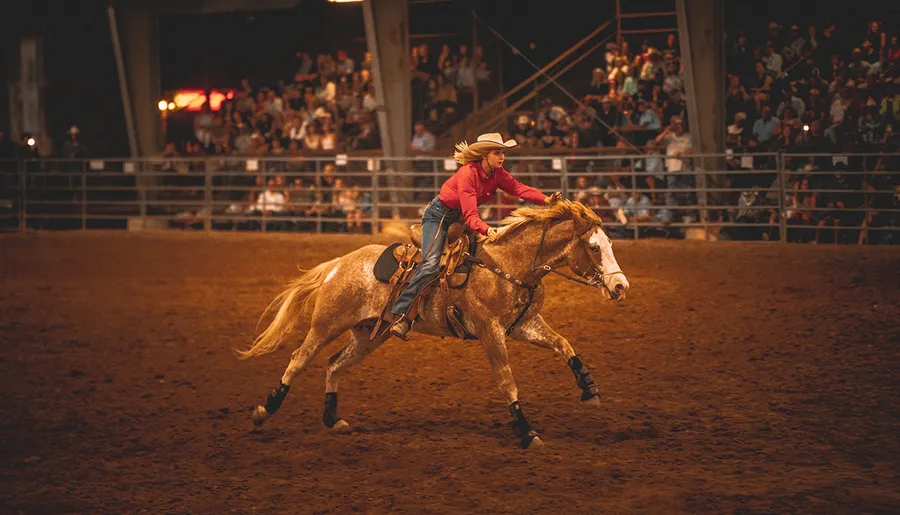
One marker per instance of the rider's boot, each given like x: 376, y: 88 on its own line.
x: 401, y: 327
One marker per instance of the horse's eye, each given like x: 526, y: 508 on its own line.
x: 595, y: 249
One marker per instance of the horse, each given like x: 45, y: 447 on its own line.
x: 502, y: 298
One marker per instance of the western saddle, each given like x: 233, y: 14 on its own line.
x: 453, y: 273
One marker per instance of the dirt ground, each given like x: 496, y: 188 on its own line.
x: 736, y: 378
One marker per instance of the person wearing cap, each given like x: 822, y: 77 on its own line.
x: 475, y: 183
x: 72, y: 147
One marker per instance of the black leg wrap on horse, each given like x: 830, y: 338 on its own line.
x: 330, y: 417
x: 274, y: 400
x: 583, y: 378
x: 520, y: 425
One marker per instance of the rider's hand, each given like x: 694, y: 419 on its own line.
x: 492, y: 234
x: 553, y: 198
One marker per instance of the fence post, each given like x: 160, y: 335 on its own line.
x: 564, y: 174
x: 782, y: 219
x: 318, y: 183
x: 376, y: 178
x: 83, y: 196
x: 434, y: 175
x: 868, y: 209
x: 23, y: 185
x: 207, y: 195
x: 637, y: 224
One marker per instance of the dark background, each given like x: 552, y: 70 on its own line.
x: 217, y: 50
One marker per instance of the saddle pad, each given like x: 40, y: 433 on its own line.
x: 387, y: 264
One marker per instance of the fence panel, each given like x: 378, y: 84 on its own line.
x: 823, y: 198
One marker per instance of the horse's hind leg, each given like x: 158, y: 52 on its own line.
x: 319, y: 335
x: 538, y: 332
x: 360, y: 346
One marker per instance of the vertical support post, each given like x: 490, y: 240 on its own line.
x: 700, y: 184
x: 142, y: 182
x: 84, y: 166
x: 782, y: 219
x: 619, y: 23
x: 474, y: 64
x: 434, y: 175
x: 207, y: 195
x: 23, y: 200
x: 388, y: 39
x: 376, y: 190
x: 123, y: 83
x: 701, y: 31
x: 634, y: 184
x: 318, y: 182
x: 868, y: 210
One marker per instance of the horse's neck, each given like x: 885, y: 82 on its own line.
x: 522, y: 251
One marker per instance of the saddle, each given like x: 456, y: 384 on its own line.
x: 453, y: 273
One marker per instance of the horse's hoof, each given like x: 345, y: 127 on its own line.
x: 593, y: 402
x: 341, y: 427
x: 259, y: 416
x: 536, y: 443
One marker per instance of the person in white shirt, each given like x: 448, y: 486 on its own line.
x: 326, y: 90
x: 422, y: 141
x: 773, y: 60
x: 270, y: 201
x: 678, y: 145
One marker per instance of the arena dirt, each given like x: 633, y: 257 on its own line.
x: 736, y: 378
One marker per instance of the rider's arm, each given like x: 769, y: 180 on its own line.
x: 509, y: 184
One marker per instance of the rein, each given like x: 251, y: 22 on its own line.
x: 531, y: 288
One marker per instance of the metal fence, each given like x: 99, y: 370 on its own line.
x: 827, y: 198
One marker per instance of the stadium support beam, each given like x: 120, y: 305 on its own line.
x: 139, y: 30
x: 701, y: 29
x: 387, y: 36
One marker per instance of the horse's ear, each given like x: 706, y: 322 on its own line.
x: 582, y: 224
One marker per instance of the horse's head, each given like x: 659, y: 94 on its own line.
x: 588, y: 252
x: 591, y: 256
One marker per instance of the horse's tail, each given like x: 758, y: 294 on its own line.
x: 306, y: 287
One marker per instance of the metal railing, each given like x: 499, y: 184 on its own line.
x: 762, y: 196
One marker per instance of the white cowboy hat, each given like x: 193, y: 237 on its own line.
x: 72, y: 130
x: 492, y: 140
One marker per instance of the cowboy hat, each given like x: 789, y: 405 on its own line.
x: 491, y: 141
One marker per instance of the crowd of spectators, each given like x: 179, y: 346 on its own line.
x: 787, y: 92
x: 329, y: 106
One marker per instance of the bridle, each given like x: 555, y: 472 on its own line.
x: 587, y: 278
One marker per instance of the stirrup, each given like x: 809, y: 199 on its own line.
x: 402, y: 335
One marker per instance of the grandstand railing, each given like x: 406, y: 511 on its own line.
x: 701, y: 202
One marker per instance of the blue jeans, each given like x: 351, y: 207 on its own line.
x: 434, y: 234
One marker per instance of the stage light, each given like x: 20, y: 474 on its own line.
x: 345, y: 1
x: 162, y: 105
x: 31, y: 142
x: 171, y: 106
x: 806, y: 127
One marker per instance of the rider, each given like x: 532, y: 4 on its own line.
x: 473, y: 184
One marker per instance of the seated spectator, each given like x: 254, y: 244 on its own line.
x: 270, y: 201
x: 423, y: 140
x: 764, y: 128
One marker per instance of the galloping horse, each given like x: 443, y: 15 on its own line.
x: 503, y: 297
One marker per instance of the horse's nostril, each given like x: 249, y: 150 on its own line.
x: 620, y: 287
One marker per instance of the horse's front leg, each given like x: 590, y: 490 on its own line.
x: 493, y: 340
x: 536, y: 331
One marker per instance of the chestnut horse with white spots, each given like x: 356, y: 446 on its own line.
x: 502, y: 298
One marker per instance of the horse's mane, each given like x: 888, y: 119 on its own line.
x: 562, y: 210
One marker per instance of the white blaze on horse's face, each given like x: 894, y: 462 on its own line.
x: 615, y: 280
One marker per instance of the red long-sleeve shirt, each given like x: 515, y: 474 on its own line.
x: 470, y: 187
